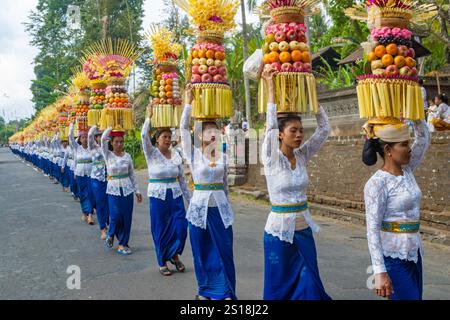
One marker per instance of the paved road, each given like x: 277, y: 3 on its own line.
x: 41, y: 235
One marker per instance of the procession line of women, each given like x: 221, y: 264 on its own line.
x: 291, y: 272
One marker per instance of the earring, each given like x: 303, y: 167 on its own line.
x: 390, y: 155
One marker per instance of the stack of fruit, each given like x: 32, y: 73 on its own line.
x: 208, y: 63
x: 392, y: 54
x: 115, y: 60
x: 165, y: 88
x: 81, y: 100
x: 63, y: 117
x: 206, y: 66
x: 391, y: 89
x: 286, y: 50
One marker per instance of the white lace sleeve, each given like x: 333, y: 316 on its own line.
x: 132, y: 175
x: 186, y: 140
x: 421, y: 144
x: 271, y: 142
x: 66, y: 157
x: 375, y: 197
x: 73, y: 143
x: 313, y: 145
x: 92, y: 144
x: 104, y: 144
x: 146, y: 143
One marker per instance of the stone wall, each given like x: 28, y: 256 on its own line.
x: 337, y: 177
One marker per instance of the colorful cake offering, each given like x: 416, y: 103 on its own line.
x: 391, y: 90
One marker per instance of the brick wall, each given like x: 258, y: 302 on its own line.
x: 337, y: 176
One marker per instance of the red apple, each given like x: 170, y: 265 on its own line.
x: 413, y: 72
x: 276, y: 65
x: 307, y: 67
x: 203, y: 69
x: 403, y: 50
x: 405, y: 71
x: 195, y: 70
x: 291, y: 35
x: 222, y: 71
x: 162, y: 101
x: 206, y: 78
x: 280, y: 36
x: 170, y: 101
x: 196, y: 78
x: 286, y: 67
x: 213, y: 70
x: 218, y: 78
x: 411, y: 53
x: 392, y: 70
x: 298, y: 66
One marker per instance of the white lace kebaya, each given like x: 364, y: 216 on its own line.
x: 285, y: 185
x: 98, y: 162
x: 204, y: 174
x: 120, y: 168
x: 392, y: 198
x: 159, y: 167
x: 82, y: 157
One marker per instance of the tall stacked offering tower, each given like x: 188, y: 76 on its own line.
x: 207, y: 67
x: 286, y: 50
x: 82, y: 85
x: 115, y: 60
x: 165, y: 88
x: 97, y: 100
x: 390, y: 91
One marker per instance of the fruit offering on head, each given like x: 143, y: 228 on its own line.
x: 207, y: 66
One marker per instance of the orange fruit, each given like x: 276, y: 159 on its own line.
x: 387, y: 60
x: 296, y: 55
x: 410, y: 62
x: 274, y: 56
x: 372, y: 57
x: 392, y: 49
x: 285, y: 57
x: 210, y: 54
x: 169, y: 82
x: 168, y: 88
x: 306, y: 57
x: 380, y: 51
x: 220, y: 55
x: 266, y: 58
x: 201, y: 53
x: 400, y: 61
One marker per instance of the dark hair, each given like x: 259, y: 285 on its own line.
x: 209, y: 123
x: 79, y: 141
x: 157, y: 134
x: 443, y: 97
x: 421, y: 81
x: 371, y: 148
x: 283, y: 121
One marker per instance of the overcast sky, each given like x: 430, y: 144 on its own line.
x: 16, y: 55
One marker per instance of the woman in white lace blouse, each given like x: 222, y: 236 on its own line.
x: 290, y: 259
x: 122, y: 185
x: 166, y: 188
x: 83, y: 167
x: 209, y: 214
x: 98, y: 180
x: 392, y: 199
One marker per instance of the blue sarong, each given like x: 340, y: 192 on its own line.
x: 168, y: 226
x: 91, y: 194
x: 101, y: 200
x: 406, y: 277
x: 290, y: 270
x: 120, y: 217
x: 83, y: 194
x: 212, y: 250
x: 73, y: 183
x: 65, y: 177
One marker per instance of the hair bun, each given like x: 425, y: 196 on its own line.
x: 369, y: 154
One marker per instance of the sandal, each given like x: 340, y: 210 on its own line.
x: 165, y: 271
x: 179, y: 265
x: 109, y: 242
x: 124, y: 251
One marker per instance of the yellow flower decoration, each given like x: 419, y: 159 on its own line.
x: 162, y: 42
